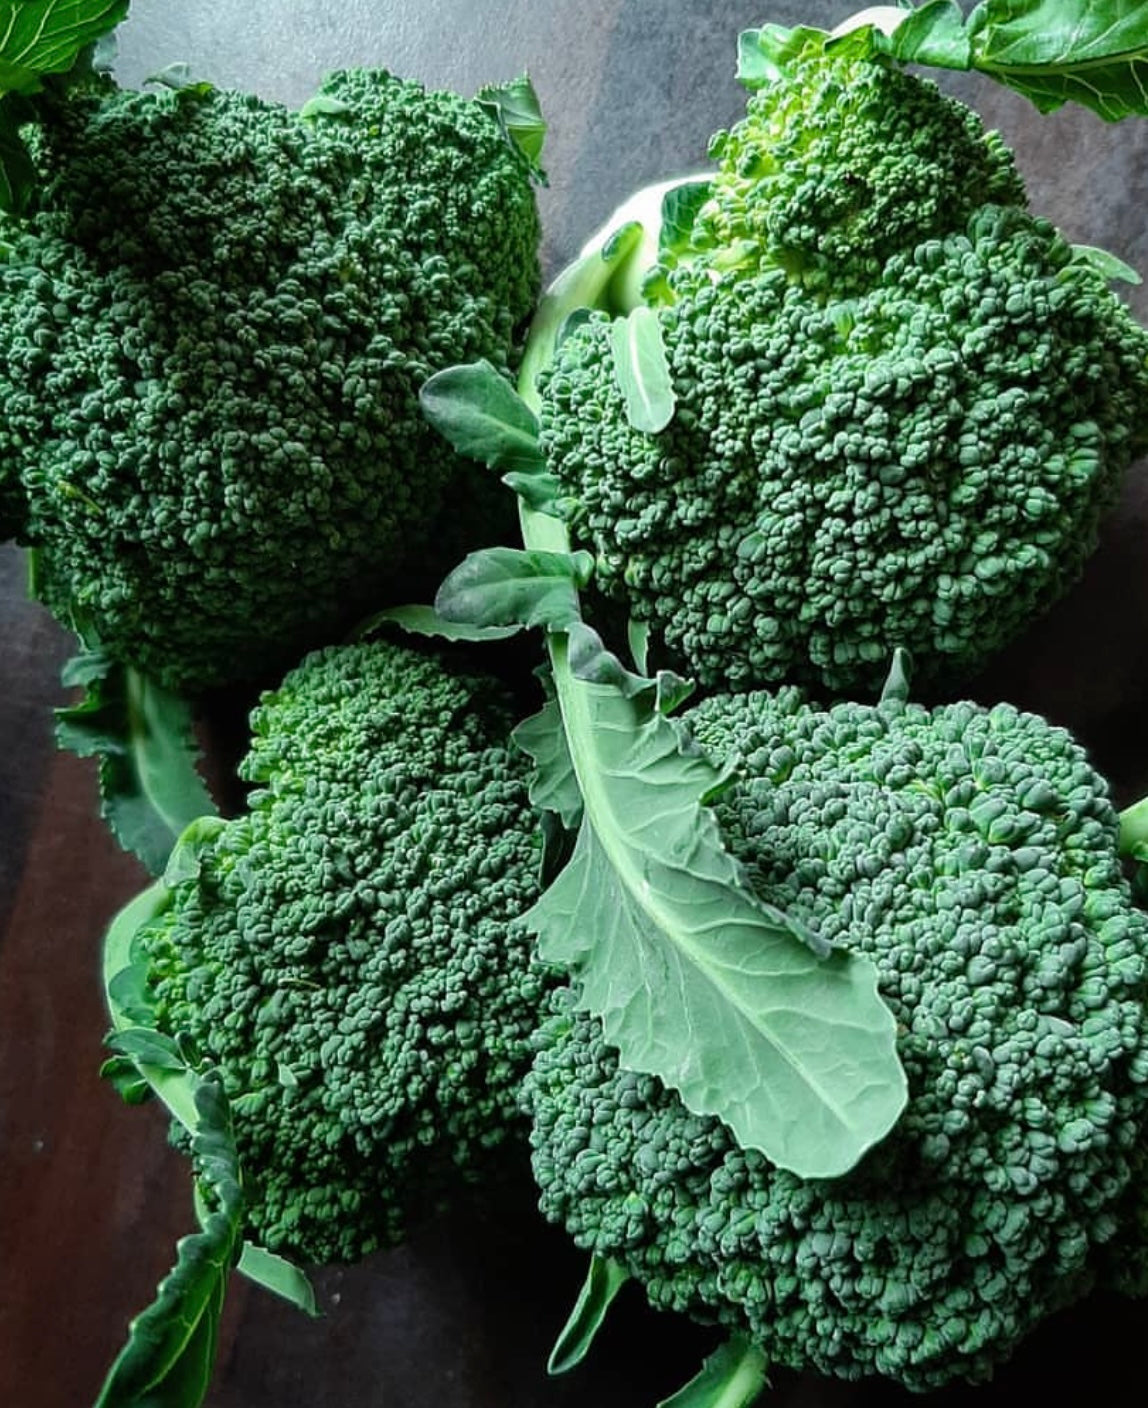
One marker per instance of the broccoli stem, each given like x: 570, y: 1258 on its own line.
x: 1134, y: 830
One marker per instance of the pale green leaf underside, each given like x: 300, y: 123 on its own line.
x: 553, y: 785
x: 693, y: 980
x: 732, y: 1377
x: 641, y: 370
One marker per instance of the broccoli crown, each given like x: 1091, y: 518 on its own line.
x: 212, y: 334
x: 923, y: 464
x: 841, y: 162
x: 350, y: 956
x: 972, y: 854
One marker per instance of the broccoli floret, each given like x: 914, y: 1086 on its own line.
x: 212, y: 334
x: 349, y: 954
x: 841, y: 163
x: 972, y: 854
x: 903, y: 403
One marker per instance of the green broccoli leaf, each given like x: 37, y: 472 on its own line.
x: 168, y: 1359
x: 642, y: 371
x: 128, y: 1003
x: 1108, y: 265
x: 39, y: 37
x: 1091, y: 52
x: 732, y: 1377
x: 279, y: 1276
x: 604, y: 1279
x: 426, y: 621
x: 766, y: 55
x: 17, y: 174
x: 933, y: 34
x: 482, y: 416
x: 142, y: 736
x: 516, y: 109
x: 507, y: 586
x: 695, y: 980
x: 734, y: 1005
x: 553, y: 785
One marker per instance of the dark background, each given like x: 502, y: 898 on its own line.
x: 91, y: 1199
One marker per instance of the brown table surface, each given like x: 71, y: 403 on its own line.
x: 91, y: 1199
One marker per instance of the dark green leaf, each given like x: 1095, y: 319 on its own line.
x: 590, y: 660
x: 604, y: 1279
x: 123, y: 1076
x: 143, y: 737
x: 17, y: 174
x: 509, y: 586
x: 1091, y: 52
x: 638, y: 639
x: 279, y: 1276
x: 516, y: 109
x: 537, y: 489
x: 642, y: 371
x: 168, y: 1358
x: 553, y: 785
x: 128, y: 992
x: 38, y: 37
x: 557, y: 848
x: 898, y: 681
x: 732, y: 1377
x: 426, y: 621
x: 480, y: 414
x: 694, y: 980
x: 934, y: 34
x: 148, y: 1046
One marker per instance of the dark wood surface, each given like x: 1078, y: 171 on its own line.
x: 91, y: 1199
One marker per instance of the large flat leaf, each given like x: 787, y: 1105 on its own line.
x: 142, y: 735
x: 725, y: 1000
x: 45, y: 36
x: 693, y: 979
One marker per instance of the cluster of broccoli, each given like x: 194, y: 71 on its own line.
x: 348, y: 954
x: 213, y: 328
x: 896, y: 406
x: 902, y: 402
x: 973, y: 854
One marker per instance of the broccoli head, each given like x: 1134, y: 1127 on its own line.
x: 903, y: 403
x: 842, y: 162
x: 214, y: 327
x: 348, y: 954
x: 972, y: 854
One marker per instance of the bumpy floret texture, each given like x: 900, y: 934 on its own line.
x: 212, y: 335
x: 924, y: 464
x: 971, y: 854
x: 350, y: 956
x: 843, y: 161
